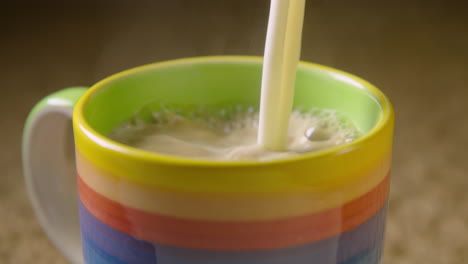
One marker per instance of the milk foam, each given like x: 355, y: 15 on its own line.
x: 229, y: 133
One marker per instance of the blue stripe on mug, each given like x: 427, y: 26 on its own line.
x: 93, y: 254
x: 103, y: 244
x: 369, y: 256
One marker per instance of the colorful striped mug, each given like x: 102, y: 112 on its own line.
x: 139, y: 207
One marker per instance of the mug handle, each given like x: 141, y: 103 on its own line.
x: 49, y: 180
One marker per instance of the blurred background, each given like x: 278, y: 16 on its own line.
x: 416, y: 51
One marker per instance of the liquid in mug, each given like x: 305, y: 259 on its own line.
x: 229, y: 133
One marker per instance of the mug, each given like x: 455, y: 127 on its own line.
x: 325, y: 207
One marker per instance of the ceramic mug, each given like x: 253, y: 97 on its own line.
x: 134, y: 206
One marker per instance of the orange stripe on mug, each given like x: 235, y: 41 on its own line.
x: 234, y: 235
x: 243, y: 206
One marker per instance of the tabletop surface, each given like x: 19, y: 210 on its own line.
x: 415, y: 51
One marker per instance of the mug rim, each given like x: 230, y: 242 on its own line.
x: 113, y: 146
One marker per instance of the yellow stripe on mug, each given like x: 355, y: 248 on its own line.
x: 301, y: 172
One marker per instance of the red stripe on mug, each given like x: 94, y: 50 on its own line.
x: 234, y: 236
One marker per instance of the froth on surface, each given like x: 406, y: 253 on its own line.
x: 229, y: 134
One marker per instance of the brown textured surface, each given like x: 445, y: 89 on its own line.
x: 416, y: 51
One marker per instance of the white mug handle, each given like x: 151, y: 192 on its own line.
x: 50, y: 181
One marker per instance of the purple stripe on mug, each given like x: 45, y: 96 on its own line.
x: 107, y: 245
x: 93, y: 254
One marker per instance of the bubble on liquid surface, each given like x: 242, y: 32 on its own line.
x: 317, y: 134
